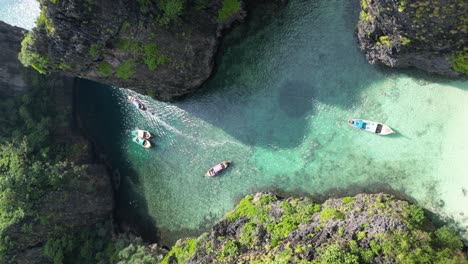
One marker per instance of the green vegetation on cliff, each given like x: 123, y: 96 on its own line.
x: 361, y: 229
x: 94, y: 245
x: 31, y: 58
x: 42, y: 170
x: 32, y: 163
x: 229, y: 8
x: 460, y: 62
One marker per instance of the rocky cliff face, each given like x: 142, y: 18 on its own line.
x: 11, y: 70
x: 429, y: 35
x: 157, y: 47
x: 362, y: 229
x: 87, y: 198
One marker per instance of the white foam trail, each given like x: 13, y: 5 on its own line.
x: 179, y: 114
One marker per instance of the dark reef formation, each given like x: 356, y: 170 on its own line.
x: 161, y: 48
x: 367, y: 228
x: 429, y: 35
x: 11, y: 70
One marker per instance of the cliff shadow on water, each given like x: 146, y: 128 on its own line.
x: 284, y: 62
x: 104, y: 123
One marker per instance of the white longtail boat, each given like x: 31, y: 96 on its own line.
x: 142, y: 142
x: 218, y: 168
x: 371, y: 126
x: 135, y: 102
x: 141, y: 134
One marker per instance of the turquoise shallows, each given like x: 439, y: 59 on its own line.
x: 278, y: 107
x: 20, y: 13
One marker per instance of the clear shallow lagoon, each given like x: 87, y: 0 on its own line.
x: 277, y: 106
x: 20, y: 13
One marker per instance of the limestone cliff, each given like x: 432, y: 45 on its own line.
x: 363, y: 229
x: 429, y: 35
x: 11, y: 70
x: 157, y: 47
x: 38, y: 111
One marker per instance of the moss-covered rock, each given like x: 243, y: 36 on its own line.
x: 158, y: 47
x: 430, y: 35
x: 363, y: 229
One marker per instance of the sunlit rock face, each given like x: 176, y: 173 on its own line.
x: 140, y: 45
x: 429, y: 35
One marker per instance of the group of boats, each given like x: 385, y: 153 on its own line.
x: 141, y: 137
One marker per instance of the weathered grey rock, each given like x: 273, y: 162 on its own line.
x: 11, y: 70
x: 87, y: 199
x: 80, y: 37
x: 414, y: 33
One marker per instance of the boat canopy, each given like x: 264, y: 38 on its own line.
x: 140, y: 141
x: 218, y: 168
x: 359, y: 123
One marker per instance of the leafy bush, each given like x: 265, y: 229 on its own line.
x: 182, y: 251
x: 31, y: 58
x: 127, y: 69
x: 335, y: 254
x: 229, y: 8
x: 152, y: 57
x: 330, y: 213
x: 171, y: 9
x: 31, y: 162
x: 229, y: 250
x: 95, y: 49
x: 445, y: 238
x: 347, y: 200
x: 459, y: 61
x: 415, y: 215
x: 247, y: 208
x: 105, y: 68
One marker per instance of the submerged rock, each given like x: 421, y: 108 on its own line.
x: 429, y: 35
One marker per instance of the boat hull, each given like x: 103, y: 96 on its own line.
x: 212, y: 172
x: 142, y: 134
x: 146, y: 143
x: 371, y: 126
x: 136, y: 103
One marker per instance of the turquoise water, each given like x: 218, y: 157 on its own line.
x: 277, y: 106
x: 21, y: 13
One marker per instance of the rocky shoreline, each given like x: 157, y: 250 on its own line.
x: 366, y: 228
x: 429, y: 35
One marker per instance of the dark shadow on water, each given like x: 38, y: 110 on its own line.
x: 424, y: 78
x: 397, y: 134
x: 268, y: 104
x: 100, y: 117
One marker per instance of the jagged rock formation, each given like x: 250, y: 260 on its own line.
x: 367, y: 228
x: 429, y: 35
x: 11, y: 70
x: 157, y: 47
